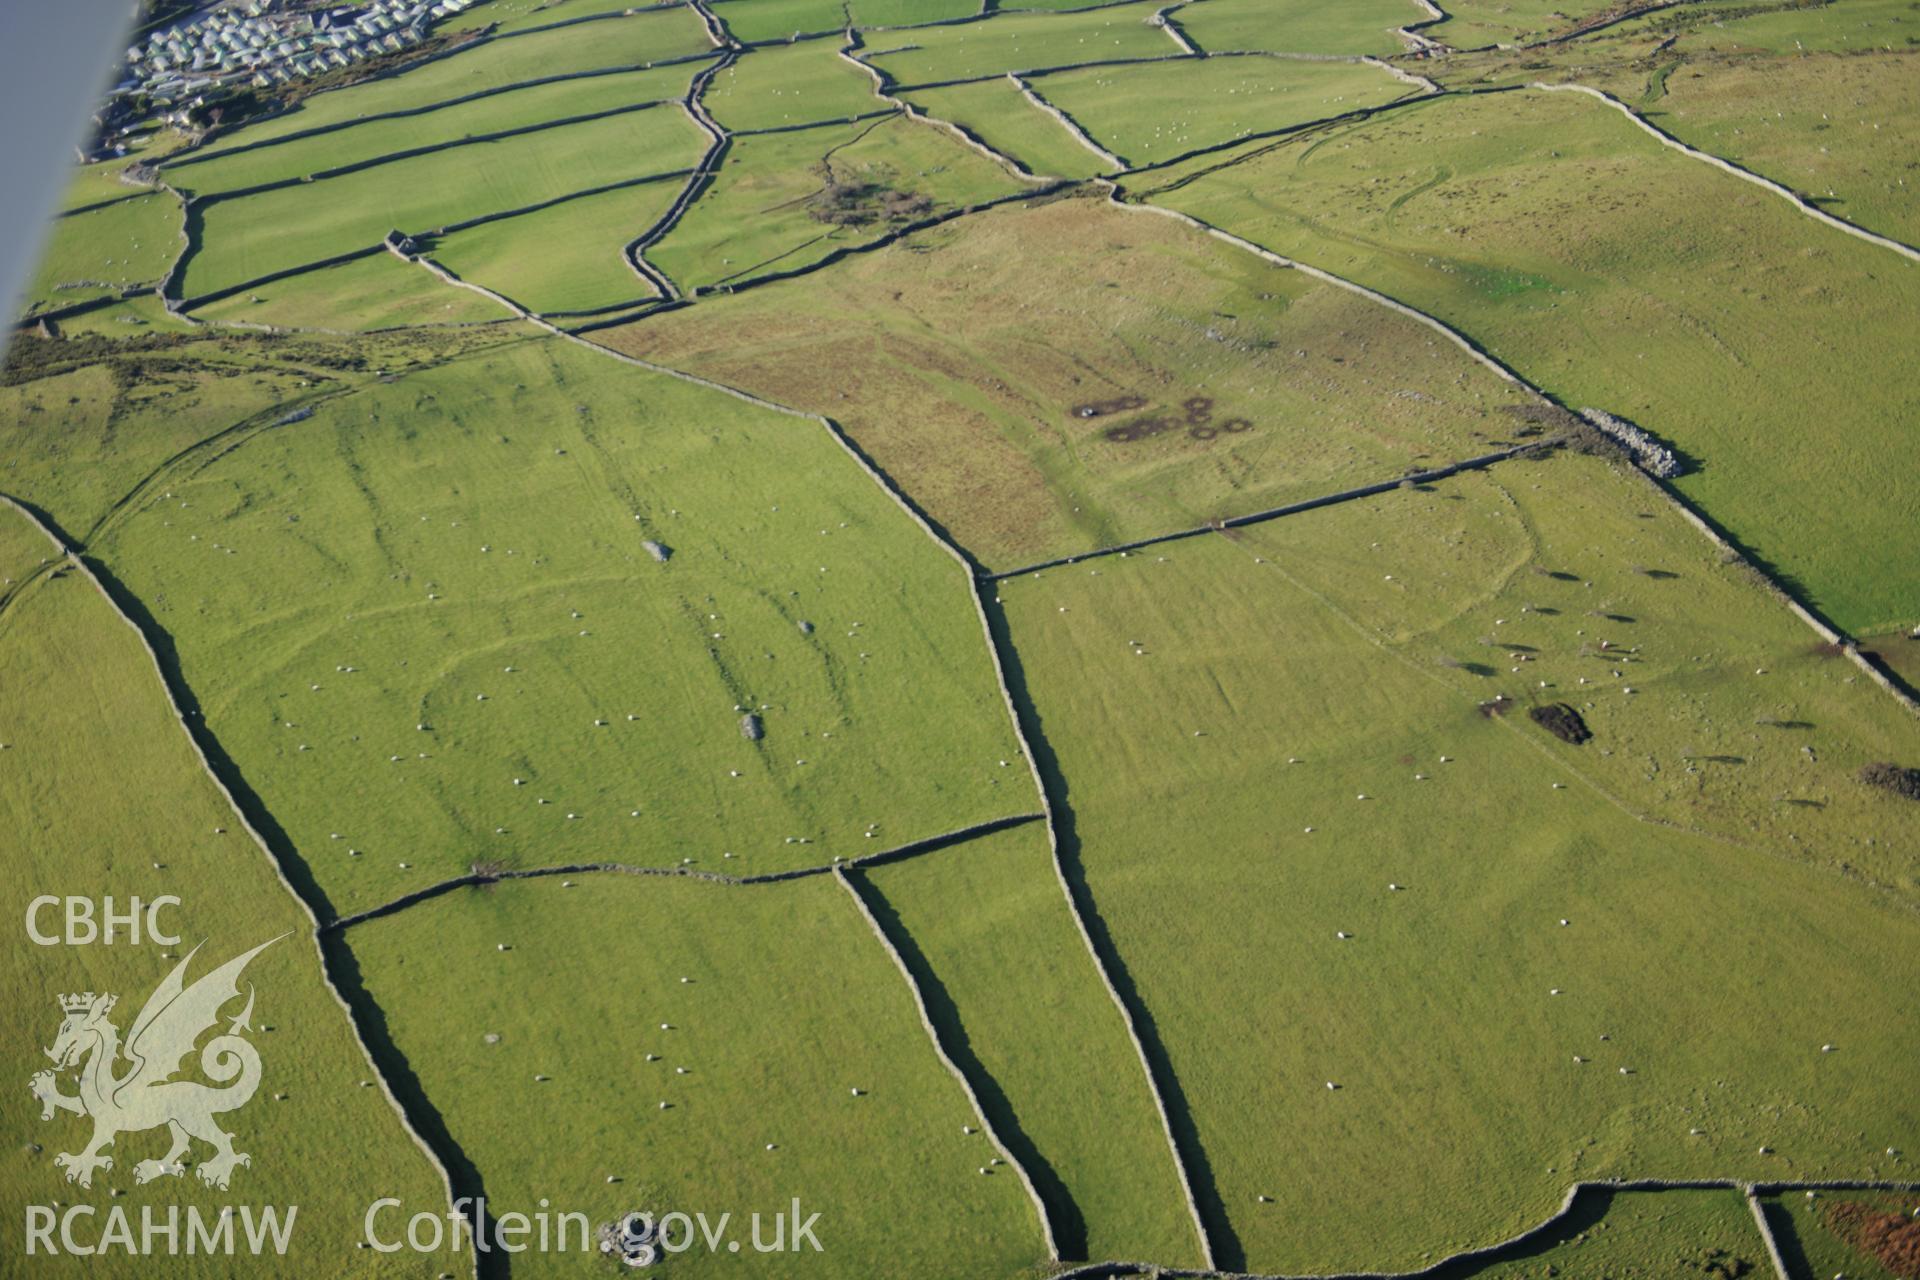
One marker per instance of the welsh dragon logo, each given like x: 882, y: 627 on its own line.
x: 131, y: 1087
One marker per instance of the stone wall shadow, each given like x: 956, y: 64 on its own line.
x: 1228, y: 1253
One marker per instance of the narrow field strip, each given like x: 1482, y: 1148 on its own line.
x: 1067, y: 122
x: 188, y: 159
x: 946, y: 1060
x: 703, y: 173
x: 850, y: 53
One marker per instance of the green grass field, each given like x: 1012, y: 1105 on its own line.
x: 790, y: 85
x: 544, y: 13
x: 752, y: 21
x: 487, y: 579
x: 81, y: 434
x: 1642, y: 1235
x: 791, y: 1007
x: 1581, y: 251
x: 1161, y: 110
x: 1820, y: 1234
x: 496, y: 64
x: 758, y: 216
x: 103, y: 251
x: 756, y: 21
x: 256, y: 235
x: 1298, y: 26
x: 84, y: 718
x: 1474, y: 24
x: 1523, y: 582
x: 996, y: 112
x: 450, y: 596
x: 1846, y: 26
x: 969, y: 401
x: 1020, y: 991
x: 565, y: 258
x: 1174, y: 687
x: 1835, y: 129
x: 1019, y: 42
x: 378, y: 291
x: 521, y: 109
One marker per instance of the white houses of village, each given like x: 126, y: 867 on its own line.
x: 266, y: 42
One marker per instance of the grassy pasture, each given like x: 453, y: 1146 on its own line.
x: 1298, y: 26
x: 1900, y: 650
x: 100, y: 181
x: 550, y: 12
x: 967, y: 398
x: 1474, y: 24
x: 375, y: 292
x: 1839, y: 130
x: 138, y: 314
x: 757, y: 216
x: 22, y: 550
x: 468, y: 540
x: 1819, y: 1237
x: 752, y: 21
x: 77, y: 440
x: 566, y: 258
x: 85, y: 720
x: 1846, y: 26
x: 104, y: 250
x: 1646, y: 1235
x: 519, y: 109
x: 788, y: 85
x: 903, y: 13
x: 1007, y: 975
x: 1173, y: 687
x: 996, y: 112
x: 1019, y: 42
x: 792, y: 1005
x: 495, y: 64
x: 1526, y: 582
x: 256, y: 235
x: 1616, y: 272
x: 1160, y: 110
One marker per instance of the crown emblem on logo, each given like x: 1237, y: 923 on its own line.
x: 84, y: 1001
